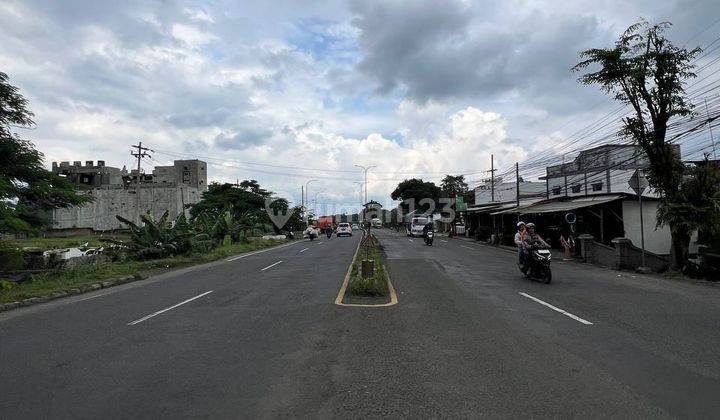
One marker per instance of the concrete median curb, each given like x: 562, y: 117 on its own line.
x: 346, y: 281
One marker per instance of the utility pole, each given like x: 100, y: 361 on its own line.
x: 517, y: 184
x: 302, y: 203
x: 307, y: 194
x: 711, y: 133
x: 492, y: 177
x: 366, y: 169
x: 139, y: 154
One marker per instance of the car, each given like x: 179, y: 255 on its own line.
x: 343, y: 229
x: 355, y: 226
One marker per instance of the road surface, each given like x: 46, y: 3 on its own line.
x: 259, y: 336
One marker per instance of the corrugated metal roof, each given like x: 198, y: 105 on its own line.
x: 560, y: 206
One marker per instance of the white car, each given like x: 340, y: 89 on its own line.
x: 343, y: 229
x: 355, y: 226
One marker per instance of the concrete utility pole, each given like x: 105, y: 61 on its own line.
x: 139, y: 154
x: 492, y: 177
x: 517, y: 184
x: 307, y: 194
x: 366, y: 168
x: 712, y: 139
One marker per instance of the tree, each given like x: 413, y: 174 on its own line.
x: 698, y: 204
x: 424, y: 194
x: 452, y: 186
x: 246, y: 204
x: 27, y: 189
x: 646, y: 71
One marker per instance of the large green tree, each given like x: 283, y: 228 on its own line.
x: 417, y: 194
x: 646, y: 71
x: 246, y: 204
x: 27, y: 189
x: 454, y: 185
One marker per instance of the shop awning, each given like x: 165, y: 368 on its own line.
x: 553, y: 206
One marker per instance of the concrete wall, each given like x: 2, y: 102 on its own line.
x: 100, y: 214
x: 656, y: 240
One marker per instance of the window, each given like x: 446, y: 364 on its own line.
x: 556, y: 190
x: 598, y: 186
x: 576, y: 189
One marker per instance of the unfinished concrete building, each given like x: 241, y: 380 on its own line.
x: 117, y: 192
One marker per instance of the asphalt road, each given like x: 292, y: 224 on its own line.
x: 260, y: 336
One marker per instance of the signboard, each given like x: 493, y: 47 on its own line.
x: 460, y: 204
x: 638, y: 182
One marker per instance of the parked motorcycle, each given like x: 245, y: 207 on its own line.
x: 538, y: 264
x: 429, y: 238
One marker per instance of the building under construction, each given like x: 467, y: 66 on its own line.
x: 126, y: 193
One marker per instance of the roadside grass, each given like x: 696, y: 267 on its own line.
x: 63, y: 280
x: 375, y: 285
x: 60, y: 243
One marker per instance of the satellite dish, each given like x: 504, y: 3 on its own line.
x: 570, y: 218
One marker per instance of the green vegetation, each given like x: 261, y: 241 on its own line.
x: 646, y: 71
x: 375, y: 285
x: 61, y: 280
x: 27, y: 190
x: 60, y: 243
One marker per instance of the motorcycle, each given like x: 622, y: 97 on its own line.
x: 429, y: 238
x: 538, y: 264
x: 312, y: 235
x: 329, y: 233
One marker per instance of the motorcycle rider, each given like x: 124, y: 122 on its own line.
x: 520, y: 242
x: 429, y: 226
x: 531, y: 237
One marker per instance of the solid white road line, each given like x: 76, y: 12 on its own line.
x: 410, y: 240
x: 137, y: 321
x: 260, y: 251
x: 555, y: 308
x: 443, y: 240
x: 466, y: 247
x: 271, y: 265
x: 303, y: 250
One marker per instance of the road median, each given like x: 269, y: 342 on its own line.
x: 374, y: 289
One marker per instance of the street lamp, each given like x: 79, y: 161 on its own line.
x: 365, y: 169
x: 306, y: 195
x: 361, y: 191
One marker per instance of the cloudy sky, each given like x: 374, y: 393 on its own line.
x: 284, y: 92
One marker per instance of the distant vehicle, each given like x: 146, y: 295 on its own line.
x: 376, y: 223
x: 324, y: 222
x: 416, y: 225
x: 344, y: 229
x: 355, y: 226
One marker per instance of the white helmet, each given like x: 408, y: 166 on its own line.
x: 530, y: 225
x: 520, y: 224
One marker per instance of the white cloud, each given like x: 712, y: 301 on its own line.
x: 191, y: 35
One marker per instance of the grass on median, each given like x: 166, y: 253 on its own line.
x: 58, y: 280
x: 375, y: 285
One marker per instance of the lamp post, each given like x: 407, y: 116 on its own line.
x: 307, y: 194
x: 366, y: 169
x: 361, y: 191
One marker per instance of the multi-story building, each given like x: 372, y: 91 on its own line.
x: 604, y: 169
x: 117, y: 192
